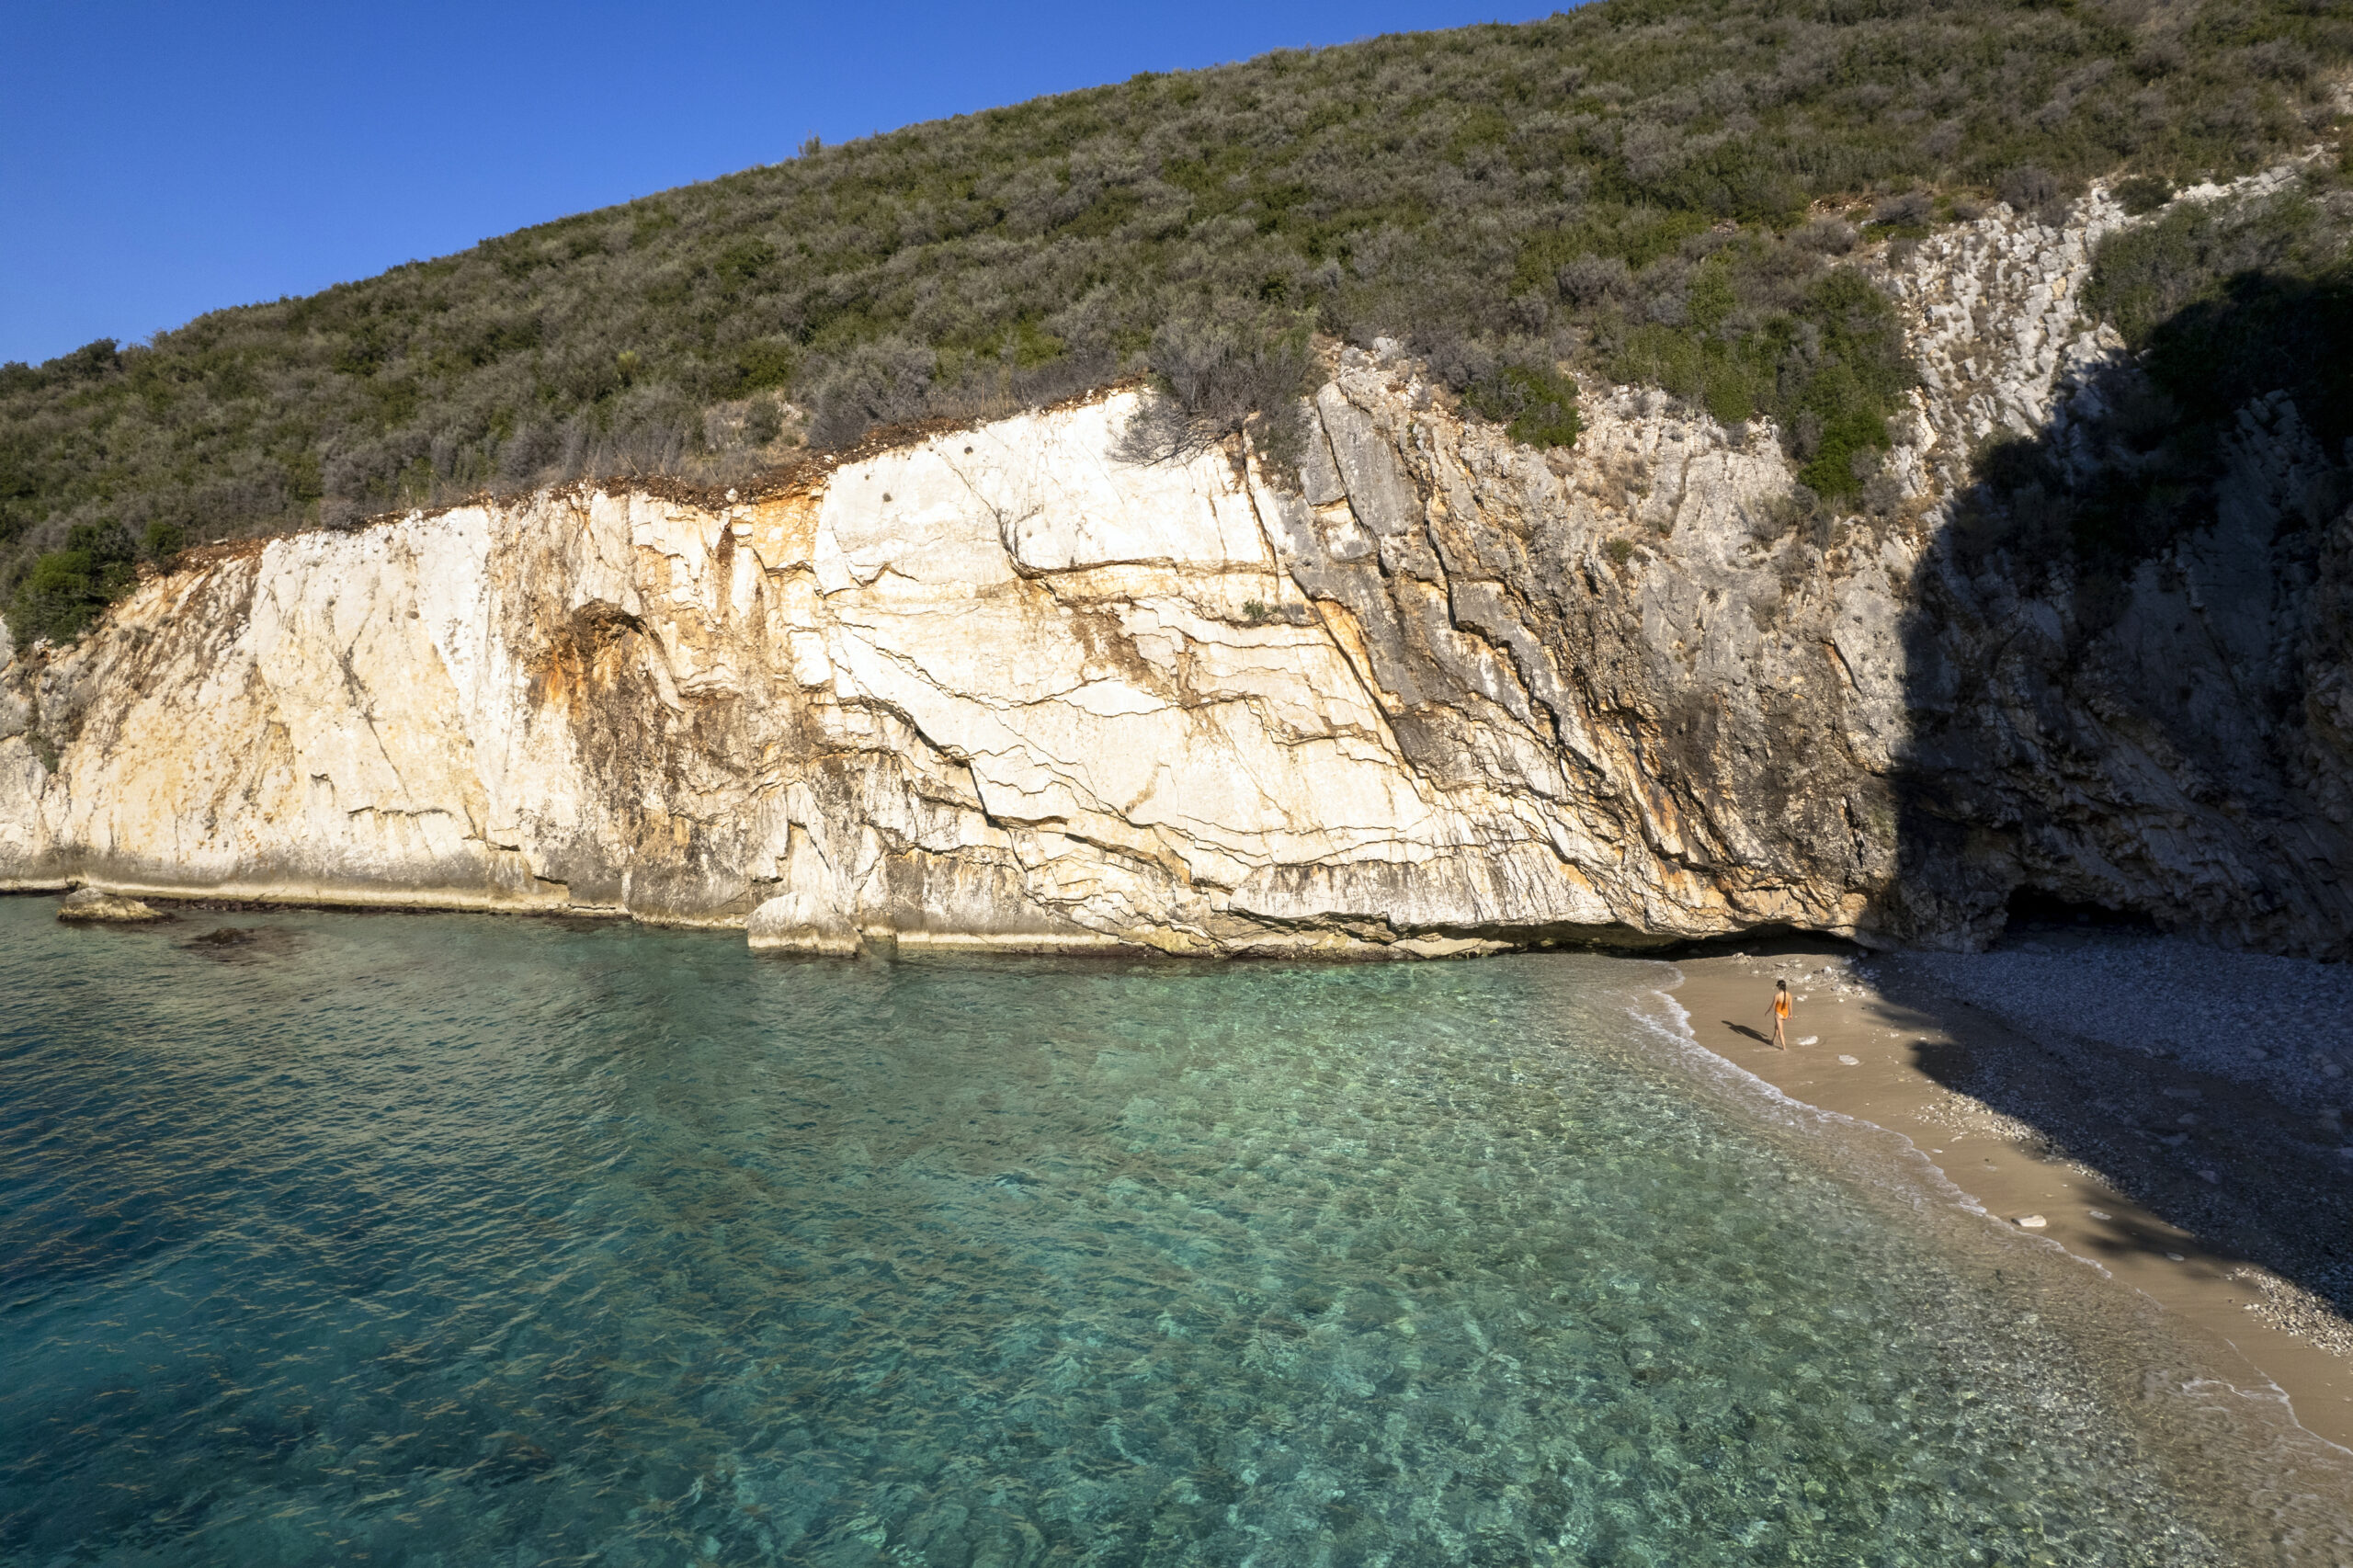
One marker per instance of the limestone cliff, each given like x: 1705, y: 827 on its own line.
x: 1436, y: 693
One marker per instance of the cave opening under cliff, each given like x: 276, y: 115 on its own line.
x: 2031, y: 909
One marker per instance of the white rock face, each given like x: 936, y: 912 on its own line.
x: 1995, y: 333
x: 998, y: 688
x: 1436, y: 694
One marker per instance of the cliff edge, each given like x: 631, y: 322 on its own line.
x: 1433, y: 693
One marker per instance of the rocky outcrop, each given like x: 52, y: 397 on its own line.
x: 89, y: 906
x: 1433, y: 694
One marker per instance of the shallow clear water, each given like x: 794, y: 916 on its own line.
x: 463, y: 1240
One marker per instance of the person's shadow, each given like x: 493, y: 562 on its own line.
x: 1743, y: 1028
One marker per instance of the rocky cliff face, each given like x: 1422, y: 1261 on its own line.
x: 1435, y: 694
x: 2173, y: 744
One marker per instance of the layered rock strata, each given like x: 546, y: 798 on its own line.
x: 1436, y: 693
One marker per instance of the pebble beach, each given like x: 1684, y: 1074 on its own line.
x: 2174, y: 1114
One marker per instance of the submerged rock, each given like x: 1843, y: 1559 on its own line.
x: 90, y: 905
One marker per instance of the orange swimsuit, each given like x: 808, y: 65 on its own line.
x: 1780, y: 1003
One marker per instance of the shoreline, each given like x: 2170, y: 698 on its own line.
x: 2038, y: 1123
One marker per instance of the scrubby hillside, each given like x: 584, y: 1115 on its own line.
x: 1657, y: 190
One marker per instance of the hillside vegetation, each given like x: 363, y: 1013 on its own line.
x: 1657, y: 190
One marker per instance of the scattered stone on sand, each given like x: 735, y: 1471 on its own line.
x: 2100, y: 1213
x: 2174, y: 1257
x: 2292, y: 1307
x: 91, y: 906
x: 1811, y: 1039
x: 1850, y: 1060
x: 2032, y: 1222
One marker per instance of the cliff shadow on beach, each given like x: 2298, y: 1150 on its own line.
x: 2130, y: 690
x: 2207, y: 1089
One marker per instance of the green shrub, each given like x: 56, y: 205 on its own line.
x: 68, y: 588
x: 745, y: 260
x: 2143, y: 193
x: 2223, y: 304
x: 763, y: 363
x: 2144, y: 276
x: 1536, y: 403
x: 1830, y: 369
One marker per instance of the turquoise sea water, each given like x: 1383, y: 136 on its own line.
x: 406, y: 1239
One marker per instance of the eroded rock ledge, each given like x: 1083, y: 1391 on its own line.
x: 1437, y: 694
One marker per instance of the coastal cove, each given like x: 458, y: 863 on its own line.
x: 341, y: 1232
x: 1570, y: 793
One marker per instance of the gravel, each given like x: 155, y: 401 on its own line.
x: 2283, y: 1024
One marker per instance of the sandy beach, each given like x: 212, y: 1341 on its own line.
x: 2175, y: 1114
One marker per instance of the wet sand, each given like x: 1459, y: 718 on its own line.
x: 2220, y: 1198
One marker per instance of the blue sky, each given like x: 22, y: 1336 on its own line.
x: 158, y: 160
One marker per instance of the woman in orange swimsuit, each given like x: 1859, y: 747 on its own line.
x: 1782, y: 1014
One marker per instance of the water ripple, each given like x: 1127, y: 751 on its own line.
x: 443, y: 1240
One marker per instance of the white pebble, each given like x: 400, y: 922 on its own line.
x: 2100, y: 1213
x: 1850, y: 1062
x: 2032, y: 1222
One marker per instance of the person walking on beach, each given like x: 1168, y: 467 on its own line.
x: 1782, y: 1014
